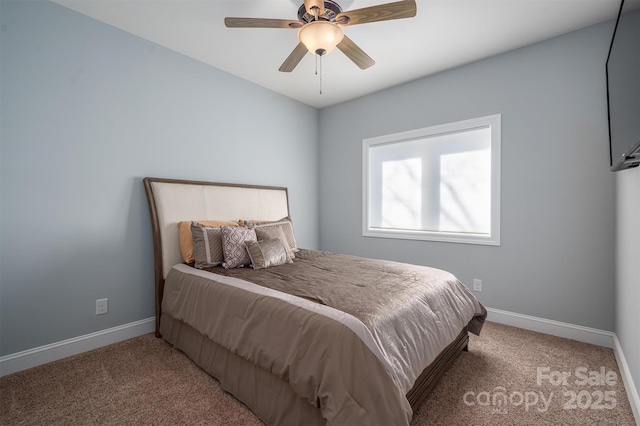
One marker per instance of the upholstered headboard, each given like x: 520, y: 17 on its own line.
x: 172, y: 201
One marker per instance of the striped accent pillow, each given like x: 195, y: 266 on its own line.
x: 207, y: 245
x: 186, y: 239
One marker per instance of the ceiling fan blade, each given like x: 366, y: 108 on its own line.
x: 384, y: 12
x: 261, y: 23
x: 294, y: 58
x: 353, y: 52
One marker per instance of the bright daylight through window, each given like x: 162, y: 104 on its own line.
x: 440, y: 183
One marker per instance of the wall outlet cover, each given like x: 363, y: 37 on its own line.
x: 477, y: 285
x: 102, y: 306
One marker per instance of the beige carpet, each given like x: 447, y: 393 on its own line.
x: 145, y: 381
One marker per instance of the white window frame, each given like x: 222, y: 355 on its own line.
x: 493, y: 238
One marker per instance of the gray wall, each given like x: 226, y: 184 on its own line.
x: 627, y: 273
x: 87, y: 112
x: 556, y: 260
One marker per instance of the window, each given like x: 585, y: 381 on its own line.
x: 440, y: 183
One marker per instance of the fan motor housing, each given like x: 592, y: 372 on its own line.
x: 331, y: 10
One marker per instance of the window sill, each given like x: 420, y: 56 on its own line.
x: 447, y: 237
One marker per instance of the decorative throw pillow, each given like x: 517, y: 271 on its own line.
x: 207, y: 245
x: 266, y: 253
x: 285, y: 224
x: 186, y: 239
x: 235, y: 252
x: 274, y: 232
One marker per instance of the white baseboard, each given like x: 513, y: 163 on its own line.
x: 41, y: 355
x: 554, y: 328
x: 629, y: 385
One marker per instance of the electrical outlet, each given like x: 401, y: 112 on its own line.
x: 102, y: 306
x: 477, y: 285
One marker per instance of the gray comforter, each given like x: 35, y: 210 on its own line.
x: 350, y: 335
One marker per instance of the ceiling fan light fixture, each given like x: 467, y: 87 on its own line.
x: 320, y: 37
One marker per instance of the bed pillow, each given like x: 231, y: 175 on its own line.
x: 186, y: 239
x: 249, y: 223
x: 267, y: 253
x: 233, y: 247
x: 207, y: 245
x: 285, y: 224
x: 274, y: 232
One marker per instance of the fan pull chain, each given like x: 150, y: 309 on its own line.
x: 321, y: 75
x: 319, y: 59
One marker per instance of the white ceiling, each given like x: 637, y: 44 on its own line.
x: 443, y: 35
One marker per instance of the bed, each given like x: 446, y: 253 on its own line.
x: 319, y: 338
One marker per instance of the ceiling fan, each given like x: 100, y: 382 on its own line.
x: 319, y: 28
